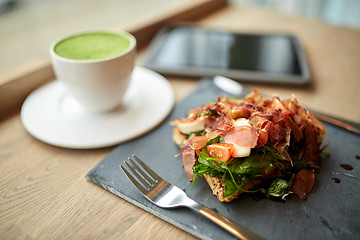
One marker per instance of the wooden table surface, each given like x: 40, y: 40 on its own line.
x: 43, y: 191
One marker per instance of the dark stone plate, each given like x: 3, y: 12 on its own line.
x: 331, y: 210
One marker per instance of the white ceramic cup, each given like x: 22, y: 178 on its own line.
x: 97, y: 85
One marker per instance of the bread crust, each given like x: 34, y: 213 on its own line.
x: 217, y: 186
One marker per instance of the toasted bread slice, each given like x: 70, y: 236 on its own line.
x: 217, y: 186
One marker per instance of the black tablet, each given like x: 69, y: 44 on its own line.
x: 193, y: 51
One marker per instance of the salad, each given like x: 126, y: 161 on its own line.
x: 256, y: 144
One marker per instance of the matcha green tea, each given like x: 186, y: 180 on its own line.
x: 92, y: 46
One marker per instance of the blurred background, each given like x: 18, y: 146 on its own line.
x: 28, y: 27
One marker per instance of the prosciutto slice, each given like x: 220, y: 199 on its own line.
x: 199, y: 142
x: 244, y: 136
x: 188, y: 157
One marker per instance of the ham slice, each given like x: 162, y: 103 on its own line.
x: 221, y: 123
x: 188, y: 157
x: 199, y: 142
x: 243, y: 136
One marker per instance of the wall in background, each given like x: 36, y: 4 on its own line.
x: 338, y: 12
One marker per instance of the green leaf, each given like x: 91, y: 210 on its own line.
x: 251, y: 165
x: 198, y: 133
x: 209, y: 112
x: 218, y: 139
x: 234, y: 184
x: 273, y: 152
x: 278, y: 187
x: 208, y: 161
x: 326, y: 153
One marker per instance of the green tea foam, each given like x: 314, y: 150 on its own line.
x: 92, y: 46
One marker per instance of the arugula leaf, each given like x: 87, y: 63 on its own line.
x: 218, y: 139
x: 326, y: 153
x: 273, y: 152
x: 200, y: 169
x: 234, y: 185
x: 252, y: 165
x: 194, y: 179
x: 278, y: 187
x: 203, y: 168
x: 298, y: 165
x: 206, y: 165
x: 209, y: 112
x: 198, y: 133
x: 205, y: 159
x: 260, y: 161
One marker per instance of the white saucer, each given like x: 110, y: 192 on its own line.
x: 52, y: 116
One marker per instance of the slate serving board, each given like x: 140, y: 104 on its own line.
x: 331, y: 210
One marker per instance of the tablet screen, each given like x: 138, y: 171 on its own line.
x: 193, y: 48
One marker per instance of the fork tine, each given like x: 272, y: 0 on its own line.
x: 151, y: 180
x: 134, y: 181
x: 148, y: 169
x: 140, y: 179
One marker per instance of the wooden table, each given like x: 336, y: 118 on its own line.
x: 43, y: 191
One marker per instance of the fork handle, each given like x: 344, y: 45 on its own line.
x: 230, y: 226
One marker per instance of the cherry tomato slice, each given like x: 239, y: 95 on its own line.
x: 221, y: 151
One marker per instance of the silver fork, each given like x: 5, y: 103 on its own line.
x: 166, y: 195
